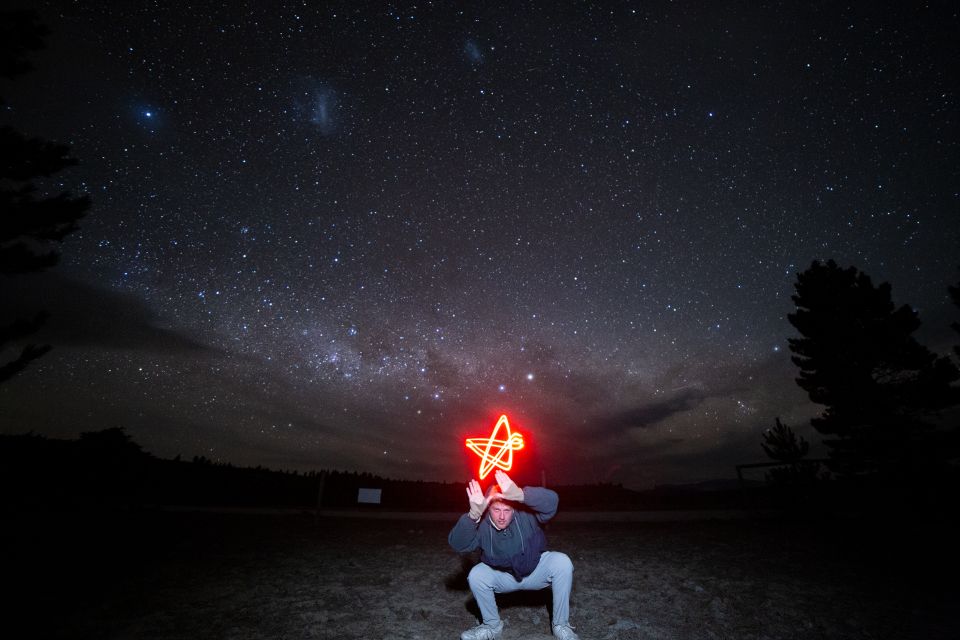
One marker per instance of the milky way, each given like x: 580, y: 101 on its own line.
x: 351, y: 235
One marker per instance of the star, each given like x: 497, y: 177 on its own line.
x: 492, y: 451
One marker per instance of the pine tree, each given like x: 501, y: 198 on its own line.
x: 796, y: 474
x: 30, y: 224
x: 955, y: 297
x: 858, y: 357
x: 782, y: 445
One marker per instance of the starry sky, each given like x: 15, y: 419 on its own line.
x: 347, y: 235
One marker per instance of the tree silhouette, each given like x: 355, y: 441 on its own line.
x: 955, y: 296
x: 30, y: 223
x: 781, y: 444
x: 110, y: 444
x: 20, y: 33
x: 857, y: 356
x: 796, y: 474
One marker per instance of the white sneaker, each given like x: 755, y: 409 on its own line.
x: 564, y: 632
x: 485, y: 632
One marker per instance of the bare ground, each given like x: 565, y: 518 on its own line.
x: 167, y: 576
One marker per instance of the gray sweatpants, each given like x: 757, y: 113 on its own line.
x: 554, y: 569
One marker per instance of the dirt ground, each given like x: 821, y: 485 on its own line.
x: 163, y: 575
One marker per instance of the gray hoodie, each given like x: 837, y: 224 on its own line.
x: 515, y: 549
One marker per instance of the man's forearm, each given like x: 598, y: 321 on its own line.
x: 463, y: 536
x: 543, y: 501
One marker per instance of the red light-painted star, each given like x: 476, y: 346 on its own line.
x: 496, y: 452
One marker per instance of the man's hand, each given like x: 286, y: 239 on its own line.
x: 478, y: 504
x: 508, y: 488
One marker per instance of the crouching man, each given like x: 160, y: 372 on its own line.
x: 513, y: 553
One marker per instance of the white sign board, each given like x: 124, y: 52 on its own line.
x: 368, y: 496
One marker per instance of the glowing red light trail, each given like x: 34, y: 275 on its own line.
x: 495, y: 452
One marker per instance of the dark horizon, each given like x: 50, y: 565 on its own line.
x: 34, y: 444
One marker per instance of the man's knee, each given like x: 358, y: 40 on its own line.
x: 479, y: 576
x: 561, y: 563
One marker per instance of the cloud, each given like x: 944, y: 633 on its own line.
x: 718, y: 459
x: 87, y: 316
x: 649, y: 414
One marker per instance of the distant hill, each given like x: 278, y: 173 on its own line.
x: 724, y: 484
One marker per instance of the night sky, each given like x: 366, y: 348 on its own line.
x: 347, y: 235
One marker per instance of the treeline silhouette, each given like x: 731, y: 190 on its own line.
x: 107, y: 469
x: 890, y: 416
x: 32, y: 226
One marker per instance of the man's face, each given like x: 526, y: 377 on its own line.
x: 501, y: 513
